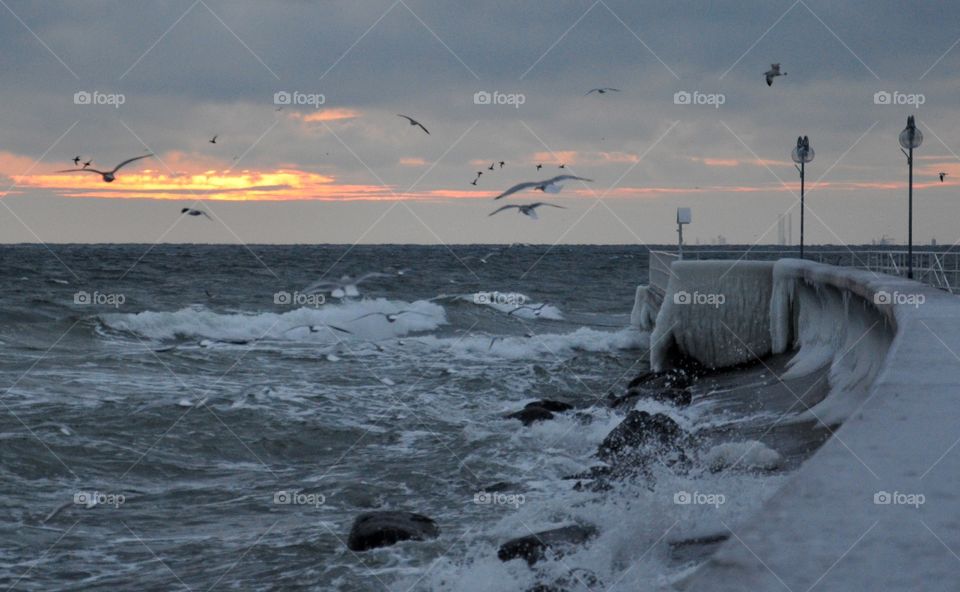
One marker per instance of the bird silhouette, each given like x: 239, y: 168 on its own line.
x: 527, y: 210
x: 108, y: 176
x: 942, y: 175
x: 772, y: 73
x: 213, y: 140
x: 551, y: 185
x: 414, y: 122
x: 76, y: 161
x: 194, y: 212
x: 601, y: 91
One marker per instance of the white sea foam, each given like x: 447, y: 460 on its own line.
x: 201, y: 323
x: 515, y: 304
x: 540, y: 345
x: 744, y: 455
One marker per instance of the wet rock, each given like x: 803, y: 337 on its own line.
x: 529, y: 415
x: 674, y: 396
x: 640, y: 429
x: 382, y: 529
x: 533, y: 548
x: 550, y: 405
x: 500, y: 486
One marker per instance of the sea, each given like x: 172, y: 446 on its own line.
x: 194, y: 417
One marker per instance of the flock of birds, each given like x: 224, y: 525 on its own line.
x: 552, y: 185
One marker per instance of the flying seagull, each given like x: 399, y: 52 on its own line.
x: 490, y: 168
x: 536, y: 309
x: 213, y: 140
x: 772, y: 73
x: 548, y: 186
x: 602, y: 91
x: 474, y: 182
x: 76, y: 161
x: 942, y: 175
x: 562, y: 166
x: 316, y: 328
x: 108, y: 176
x: 88, y: 163
x: 539, y: 166
x: 391, y: 317
x: 413, y: 122
x: 502, y: 163
x: 194, y: 212
x: 527, y: 210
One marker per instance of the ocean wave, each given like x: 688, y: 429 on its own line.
x: 364, y: 319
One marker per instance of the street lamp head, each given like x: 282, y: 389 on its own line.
x: 803, y: 153
x: 911, y: 137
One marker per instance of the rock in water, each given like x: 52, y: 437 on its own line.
x: 529, y: 415
x: 639, y: 429
x: 382, y: 529
x: 550, y: 405
x: 532, y: 548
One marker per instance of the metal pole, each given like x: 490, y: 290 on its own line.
x: 802, y: 208
x: 910, y: 218
x: 680, y: 242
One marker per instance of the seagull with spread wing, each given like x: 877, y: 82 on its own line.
x: 390, y: 316
x: 548, y: 186
x: 527, y: 210
x: 108, y: 176
x: 602, y: 91
x: 194, y: 212
x: 414, y: 122
x: 772, y: 73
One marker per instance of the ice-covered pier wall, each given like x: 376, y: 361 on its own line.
x: 876, y: 507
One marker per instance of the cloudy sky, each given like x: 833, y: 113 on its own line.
x: 110, y: 80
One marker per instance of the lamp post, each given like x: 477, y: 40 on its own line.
x: 801, y: 155
x: 910, y: 138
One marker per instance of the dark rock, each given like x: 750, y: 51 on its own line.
x: 697, y: 548
x: 550, y: 405
x: 529, y: 415
x: 382, y: 529
x: 500, y: 486
x: 640, y: 429
x: 674, y: 396
x: 642, y: 378
x: 533, y: 548
x: 578, y: 578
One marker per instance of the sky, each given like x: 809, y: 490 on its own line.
x: 303, y: 97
